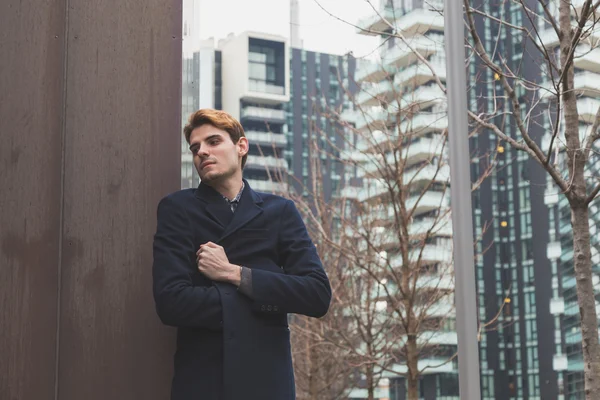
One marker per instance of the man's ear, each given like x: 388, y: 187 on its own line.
x: 242, y: 146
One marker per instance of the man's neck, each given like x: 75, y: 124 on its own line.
x: 229, y: 188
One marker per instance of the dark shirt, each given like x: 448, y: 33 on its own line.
x: 246, y: 274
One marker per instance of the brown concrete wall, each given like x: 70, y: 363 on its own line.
x: 90, y: 135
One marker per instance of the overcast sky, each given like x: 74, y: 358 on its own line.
x: 319, y: 31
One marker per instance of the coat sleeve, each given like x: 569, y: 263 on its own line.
x: 178, y: 302
x: 304, y: 287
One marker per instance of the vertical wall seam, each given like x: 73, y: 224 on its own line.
x: 63, y: 136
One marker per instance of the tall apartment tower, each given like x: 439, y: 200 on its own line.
x: 399, y: 78
x: 514, y: 278
x: 319, y: 86
x: 255, y: 90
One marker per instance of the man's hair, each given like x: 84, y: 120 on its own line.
x: 218, y: 119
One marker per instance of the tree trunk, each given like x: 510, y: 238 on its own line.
x: 370, y: 382
x: 582, y: 258
x: 313, y: 390
x: 412, y: 360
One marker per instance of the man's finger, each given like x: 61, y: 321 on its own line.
x: 211, y: 244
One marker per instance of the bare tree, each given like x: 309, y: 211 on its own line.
x: 560, y: 36
x: 390, y: 246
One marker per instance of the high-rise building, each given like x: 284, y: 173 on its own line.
x: 567, y: 348
x: 321, y: 85
x: 255, y: 90
x: 514, y: 278
x: 401, y: 102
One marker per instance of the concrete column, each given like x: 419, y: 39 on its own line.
x: 90, y: 140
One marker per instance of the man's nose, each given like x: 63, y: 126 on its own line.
x: 201, y: 151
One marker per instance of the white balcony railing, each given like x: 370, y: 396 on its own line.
x: 432, y: 225
x: 373, y: 71
x: 374, y: 94
x: 424, y: 123
x: 428, y: 201
x: 585, y: 84
x: 405, y: 52
x: 266, y: 138
x: 263, y: 87
x: 263, y: 113
x: 373, y: 24
x: 416, y: 150
x: 422, y: 20
x: 587, y: 109
x: 423, y: 97
x: 587, y: 58
x: 268, y: 186
x: 428, y: 173
x: 374, y: 118
x: 262, y: 162
x: 420, y: 74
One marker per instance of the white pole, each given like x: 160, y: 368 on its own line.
x: 460, y: 190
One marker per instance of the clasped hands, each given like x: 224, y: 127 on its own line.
x: 213, y: 263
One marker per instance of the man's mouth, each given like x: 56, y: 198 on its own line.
x: 205, y: 164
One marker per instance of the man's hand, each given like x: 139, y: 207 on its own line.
x: 214, y: 264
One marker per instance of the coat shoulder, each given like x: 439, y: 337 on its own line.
x: 272, y: 199
x: 180, y: 196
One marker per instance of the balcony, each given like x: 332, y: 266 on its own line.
x: 441, y: 226
x: 587, y: 58
x: 421, y: 20
x: 268, y: 139
x: 428, y: 173
x: 375, y: 24
x: 438, y: 252
x: 417, y: 149
x: 371, y: 119
x: 424, y: 123
x: 432, y: 253
x: 436, y: 282
x: 263, y: 162
x: 375, y: 94
x: 585, y: 84
x: 420, y: 74
x: 259, y: 86
x: 550, y: 40
x: 263, y: 114
x: 428, y: 201
x: 373, y: 72
x: 427, y: 366
x: 405, y: 53
x: 423, y: 97
x: 584, y: 131
x: 268, y: 186
x: 587, y: 108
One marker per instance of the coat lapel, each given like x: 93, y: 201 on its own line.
x: 216, y: 207
x: 248, y: 209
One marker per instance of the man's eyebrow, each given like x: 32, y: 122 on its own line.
x: 206, y: 140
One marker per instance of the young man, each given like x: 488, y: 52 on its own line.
x: 229, y: 265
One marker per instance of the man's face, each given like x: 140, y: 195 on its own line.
x: 216, y: 157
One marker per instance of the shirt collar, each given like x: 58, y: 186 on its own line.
x: 236, y: 199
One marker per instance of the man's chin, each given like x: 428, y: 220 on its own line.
x: 210, y: 177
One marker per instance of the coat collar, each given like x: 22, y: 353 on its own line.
x: 248, y: 208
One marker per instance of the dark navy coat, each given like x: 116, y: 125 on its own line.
x: 231, y: 347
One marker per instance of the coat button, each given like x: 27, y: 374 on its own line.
x: 262, y: 308
x: 269, y: 308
